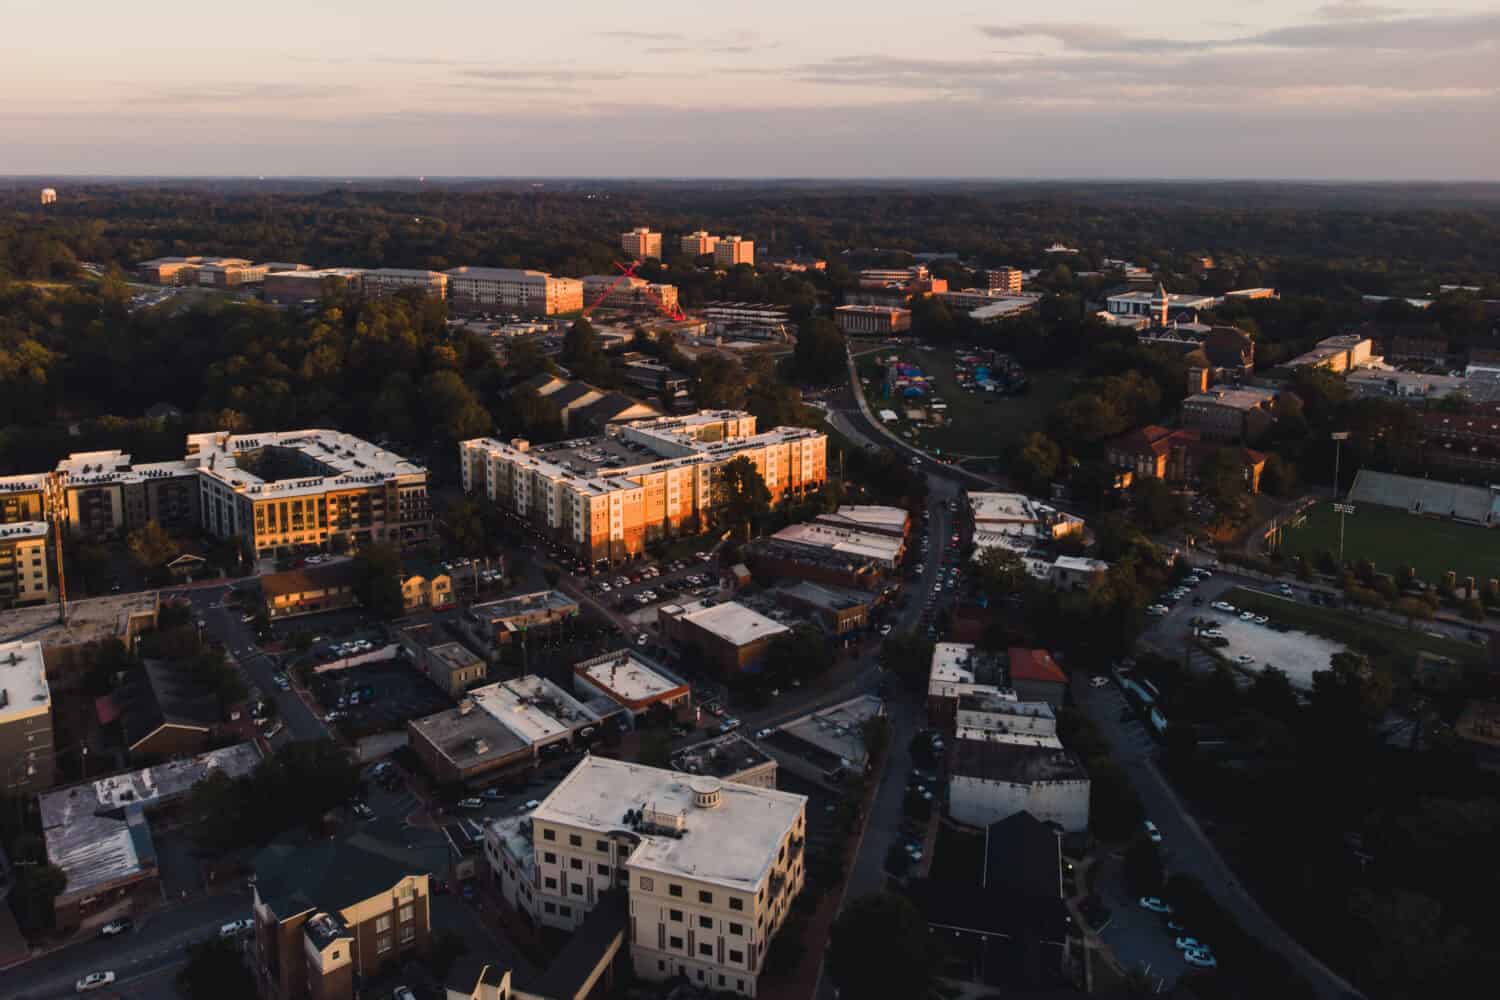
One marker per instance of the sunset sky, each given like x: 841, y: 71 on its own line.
x: 776, y: 88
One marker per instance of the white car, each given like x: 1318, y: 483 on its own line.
x: 1244, y: 659
x: 1223, y: 606
x: 1190, y: 944
x: 885, y: 630
x: 1200, y: 958
x: 1212, y: 633
x: 94, y: 981
x: 471, y: 803
x: 1155, y: 905
x: 1247, y: 616
x: 1262, y: 620
x: 237, y: 927
x: 1158, y: 610
x: 1152, y: 832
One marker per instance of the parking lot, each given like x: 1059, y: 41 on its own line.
x: 375, y: 697
x: 1298, y: 654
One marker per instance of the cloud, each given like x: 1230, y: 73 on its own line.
x: 645, y: 36
x: 237, y: 93
x: 555, y: 75
x: 1355, y: 10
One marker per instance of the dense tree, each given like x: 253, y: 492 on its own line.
x: 880, y: 946
x: 151, y: 547
x: 739, y: 494
x: 1036, y: 462
x: 215, y: 970
x: 1000, y: 572
x: 820, y: 354
x: 377, y: 580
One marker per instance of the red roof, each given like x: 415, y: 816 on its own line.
x: 1034, y: 665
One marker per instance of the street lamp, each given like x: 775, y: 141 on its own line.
x: 1339, y: 437
x: 1342, y: 509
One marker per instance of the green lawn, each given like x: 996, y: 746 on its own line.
x: 1393, y: 538
x: 1355, y: 631
x: 978, y: 423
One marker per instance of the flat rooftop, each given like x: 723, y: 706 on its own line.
x: 1000, y: 701
x: 23, y: 681
x: 628, y: 677
x: 336, y: 459
x: 88, y: 621
x: 733, y: 622
x: 23, y: 530
x: 538, y: 602
x: 1015, y: 763
x: 1005, y: 507
x: 533, y: 708
x: 29, y: 482
x: 455, y: 655
x: 723, y: 757
x: 839, y: 729
x: 94, y: 830
x: 1235, y: 398
x: 733, y: 844
x: 873, y: 517
x: 469, y: 738
x: 827, y: 598
x: 848, y: 541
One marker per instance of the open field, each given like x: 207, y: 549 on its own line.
x: 1358, y: 632
x: 978, y: 423
x: 1393, y: 538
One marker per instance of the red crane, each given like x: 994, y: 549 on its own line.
x: 626, y: 273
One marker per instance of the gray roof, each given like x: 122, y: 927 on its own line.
x: 328, y: 874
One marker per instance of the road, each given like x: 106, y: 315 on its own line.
x: 140, y: 958
x: 1187, y: 848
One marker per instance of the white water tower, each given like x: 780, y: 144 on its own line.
x: 49, y: 196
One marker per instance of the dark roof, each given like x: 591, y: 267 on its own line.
x: 602, y: 411
x: 975, y: 908
x: 569, y: 393
x: 1016, y: 763
x: 297, y: 581
x: 163, y: 693
x: 535, y: 383
x: 469, y: 971
x: 1022, y: 855
x: 585, y: 950
x: 328, y: 874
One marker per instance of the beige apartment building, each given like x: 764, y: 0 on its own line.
x: 533, y: 293
x: 732, y: 250
x: 641, y: 243
x: 383, y: 281
x: 307, y: 285
x: 1004, y: 279
x: 27, y: 758
x: 312, y: 488
x: 23, y: 498
x: 699, y: 243
x: 606, y: 497
x: 615, y: 291
x: 710, y: 868
x: 23, y: 563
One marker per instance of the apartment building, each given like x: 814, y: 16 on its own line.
x: 231, y: 273
x: 698, y: 243
x: 618, y: 291
x: 1224, y: 413
x: 105, y: 495
x: 747, y: 320
x: 710, y: 868
x: 533, y: 293
x: 331, y: 915
x: 605, y: 497
x: 1338, y: 354
x: 23, y: 498
x: 1004, y: 279
x: 382, y: 281
x: 879, y: 321
x: 732, y: 250
x: 641, y: 243
x: 27, y: 761
x: 24, y: 577
x: 289, y: 287
x: 307, y: 489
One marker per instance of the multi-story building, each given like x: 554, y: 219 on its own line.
x: 993, y: 778
x: 1159, y: 307
x: 838, y: 610
x: 882, y: 549
x: 510, y: 619
x: 877, y: 518
x: 1005, y: 279
x: 698, y: 243
x: 728, y: 637
x: 332, y: 915
x: 606, y: 497
x: 641, y: 243
x: 27, y: 762
x: 732, y: 250
x: 533, y: 293
x: 731, y: 757
x: 382, y: 281
x: 172, y: 270
x: 289, y: 287
x: 23, y: 498
x: 618, y: 291
x: 452, y: 666
x: 231, y: 273
x: 747, y: 320
x: 710, y: 868
x: 309, y: 590
x: 105, y: 495
x: 876, y: 320
x: 1338, y: 354
x: 1174, y: 456
x: 307, y: 489
x: 1225, y: 413
x: 24, y: 575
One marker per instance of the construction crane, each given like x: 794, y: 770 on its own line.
x: 627, y: 272
x: 55, y: 512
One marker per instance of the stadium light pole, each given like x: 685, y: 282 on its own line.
x: 1343, y: 510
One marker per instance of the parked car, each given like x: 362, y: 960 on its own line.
x: 1244, y: 659
x: 363, y: 811
x: 471, y: 803
x: 1223, y: 606
x: 1190, y: 944
x: 117, y: 926
x: 95, y: 981
x: 403, y: 993
x: 490, y: 795
x: 237, y: 927
x: 1200, y: 958
x: 1152, y: 832
x: 529, y: 805
x: 1157, y: 610
x: 274, y: 731
x: 1155, y: 904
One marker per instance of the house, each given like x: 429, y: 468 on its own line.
x: 425, y: 585
x: 309, y: 590
x: 1035, y: 676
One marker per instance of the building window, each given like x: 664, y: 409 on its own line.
x: 576, y: 864
x: 551, y: 883
x: 577, y: 889
x: 647, y: 885
x: 549, y: 834
x: 738, y: 929
x: 603, y: 870
x: 575, y: 840
x: 736, y: 956
x: 550, y: 907
x: 406, y: 912
x: 706, y: 898
x: 564, y: 911
x: 602, y: 846
x: 706, y: 950
x: 549, y: 857
x: 736, y: 903
x: 675, y: 942
x: 707, y: 923
x: 383, y: 943
x: 334, y: 954
x: 408, y: 933
x: 674, y: 890
x: 383, y: 922
x: 675, y: 915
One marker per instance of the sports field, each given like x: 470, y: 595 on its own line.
x: 1393, y: 538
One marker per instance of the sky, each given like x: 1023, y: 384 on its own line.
x: 1263, y: 89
